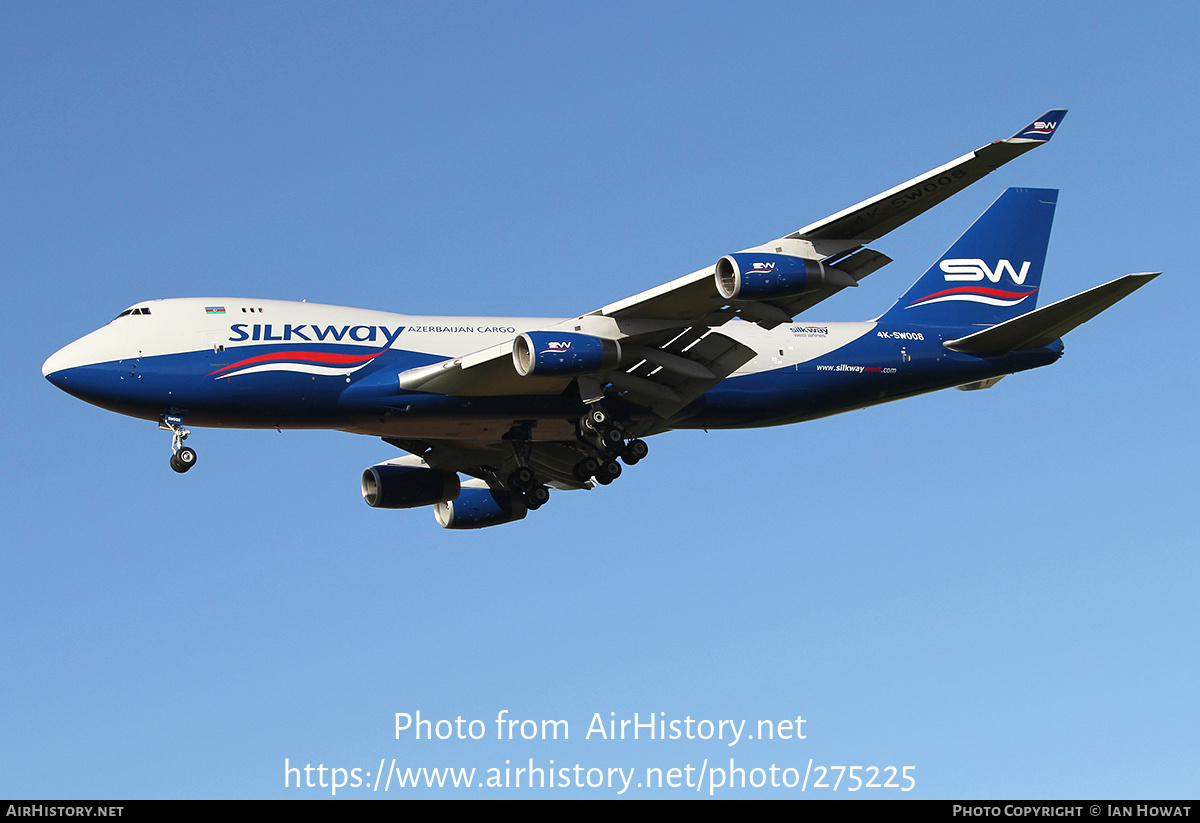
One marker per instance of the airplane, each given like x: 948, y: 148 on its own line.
x: 523, y: 405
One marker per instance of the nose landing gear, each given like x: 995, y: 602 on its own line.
x: 182, y: 457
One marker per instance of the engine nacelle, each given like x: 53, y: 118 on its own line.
x: 763, y: 276
x: 405, y: 485
x: 476, y: 508
x: 557, y: 353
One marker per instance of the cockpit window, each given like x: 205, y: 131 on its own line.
x: 141, y: 310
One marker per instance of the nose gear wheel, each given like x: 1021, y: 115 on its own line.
x: 182, y: 457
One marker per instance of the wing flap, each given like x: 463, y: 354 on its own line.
x: 716, y: 353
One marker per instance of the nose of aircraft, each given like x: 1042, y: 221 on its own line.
x: 104, y: 345
x: 65, y: 358
x: 87, y: 369
x: 108, y: 367
x: 85, y: 366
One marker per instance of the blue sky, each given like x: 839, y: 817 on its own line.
x: 996, y: 588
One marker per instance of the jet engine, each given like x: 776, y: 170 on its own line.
x: 478, y: 506
x: 406, y: 483
x: 762, y: 276
x: 557, y: 353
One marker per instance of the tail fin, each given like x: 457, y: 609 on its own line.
x: 992, y: 273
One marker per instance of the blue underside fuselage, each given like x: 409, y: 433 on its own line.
x: 219, y: 387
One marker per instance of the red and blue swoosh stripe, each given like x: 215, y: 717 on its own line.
x: 974, y: 294
x: 306, y: 362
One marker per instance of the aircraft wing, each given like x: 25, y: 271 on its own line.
x: 875, y: 217
x: 671, y: 351
x: 837, y: 240
x: 662, y: 370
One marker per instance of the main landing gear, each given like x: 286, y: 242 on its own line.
x: 607, y: 442
x: 524, y: 483
x: 182, y: 457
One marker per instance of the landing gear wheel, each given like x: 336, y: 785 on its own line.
x: 522, y: 479
x: 183, y: 459
x: 595, y: 418
x: 610, y: 470
x: 610, y: 440
x: 537, y: 497
x: 586, y: 468
x: 634, y: 451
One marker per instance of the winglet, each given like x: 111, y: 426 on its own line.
x: 1042, y: 129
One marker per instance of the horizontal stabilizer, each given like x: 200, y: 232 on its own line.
x: 1045, y: 325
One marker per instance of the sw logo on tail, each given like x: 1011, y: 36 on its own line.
x: 976, y: 269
